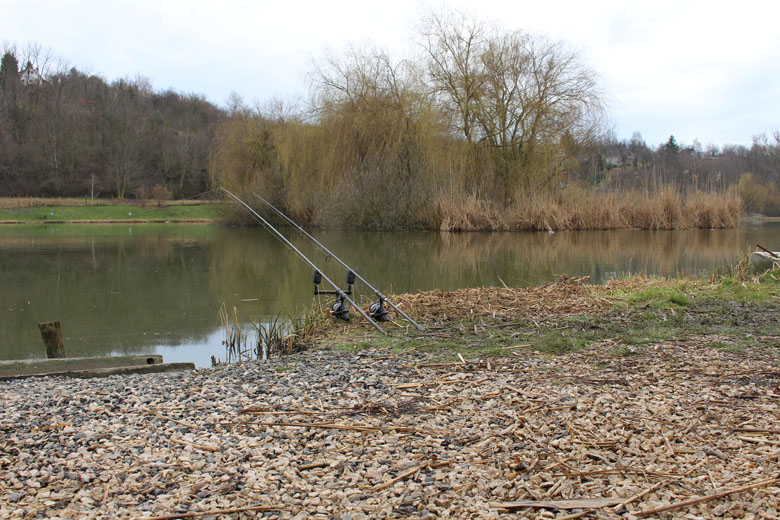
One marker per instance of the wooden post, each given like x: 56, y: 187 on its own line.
x: 51, y: 332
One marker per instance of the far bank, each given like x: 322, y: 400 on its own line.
x: 85, y: 211
x: 572, y: 209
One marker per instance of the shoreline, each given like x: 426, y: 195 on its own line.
x: 112, y: 221
x: 215, y: 220
x: 635, y: 395
x: 703, y: 212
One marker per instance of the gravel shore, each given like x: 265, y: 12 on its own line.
x: 380, y: 434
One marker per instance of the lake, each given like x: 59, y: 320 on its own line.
x: 157, y: 288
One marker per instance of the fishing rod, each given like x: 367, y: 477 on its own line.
x: 318, y: 276
x: 376, y: 309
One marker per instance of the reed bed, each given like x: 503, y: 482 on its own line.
x: 580, y: 209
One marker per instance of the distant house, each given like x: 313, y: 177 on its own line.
x: 30, y: 75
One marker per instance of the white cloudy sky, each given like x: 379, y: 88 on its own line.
x: 706, y: 70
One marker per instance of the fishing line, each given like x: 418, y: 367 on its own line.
x: 377, y: 310
x: 317, y: 272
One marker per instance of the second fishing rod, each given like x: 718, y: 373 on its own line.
x: 377, y: 310
x: 318, y: 276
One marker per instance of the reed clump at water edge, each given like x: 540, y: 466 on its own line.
x: 276, y: 336
x: 580, y: 209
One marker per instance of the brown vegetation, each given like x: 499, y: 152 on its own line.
x: 490, y: 130
x: 566, y: 296
x: 578, y: 208
x: 485, y: 129
x: 75, y: 134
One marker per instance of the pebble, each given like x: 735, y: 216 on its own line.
x: 141, y: 446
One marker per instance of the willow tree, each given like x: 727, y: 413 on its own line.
x: 244, y: 157
x: 377, y: 120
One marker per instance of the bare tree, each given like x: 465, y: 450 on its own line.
x: 454, y: 44
x: 124, y: 131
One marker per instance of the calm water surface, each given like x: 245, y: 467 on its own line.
x: 158, y: 288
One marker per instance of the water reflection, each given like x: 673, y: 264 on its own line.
x: 157, y: 288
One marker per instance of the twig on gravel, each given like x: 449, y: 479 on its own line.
x: 758, y: 440
x: 575, y: 515
x: 215, y: 512
x: 201, y: 447
x: 699, y: 500
x: 576, y: 503
x: 754, y: 430
x: 641, y: 494
x: 250, y: 411
x: 435, y: 383
x: 405, y: 474
x: 175, y: 421
x: 313, y: 465
x: 331, y: 426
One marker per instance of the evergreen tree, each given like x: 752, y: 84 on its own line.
x: 671, y: 146
x: 9, y: 72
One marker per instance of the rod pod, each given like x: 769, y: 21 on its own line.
x: 342, y: 295
x: 381, y: 314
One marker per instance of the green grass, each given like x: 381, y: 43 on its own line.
x: 558, y: 342
x: 623, y: 351
x: 727, y: 347
x: 116, y: 212
x: 659, y: 296
x: 762, y: 291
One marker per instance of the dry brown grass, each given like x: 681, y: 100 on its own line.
x: 564, y: 297
x: 709, y: 210
x: 577, y: 208
x: 468, y: 214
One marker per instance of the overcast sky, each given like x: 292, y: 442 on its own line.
x: 706, y: 70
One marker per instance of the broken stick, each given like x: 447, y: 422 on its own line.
x: 405, y: 474
x: 693, y: 501
x: 215, y: 512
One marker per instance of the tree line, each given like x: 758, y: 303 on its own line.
x: 67, y: 133
x: 478, y: 125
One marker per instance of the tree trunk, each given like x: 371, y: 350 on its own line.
x: 51, y: 332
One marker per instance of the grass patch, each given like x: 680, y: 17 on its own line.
x: 727, y: 347
x: 658, y: 296
x: 623, y: 351
x: 112, y: 212
x: 558, y: 342
x: 766, y: 290
x: 726, y: 312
